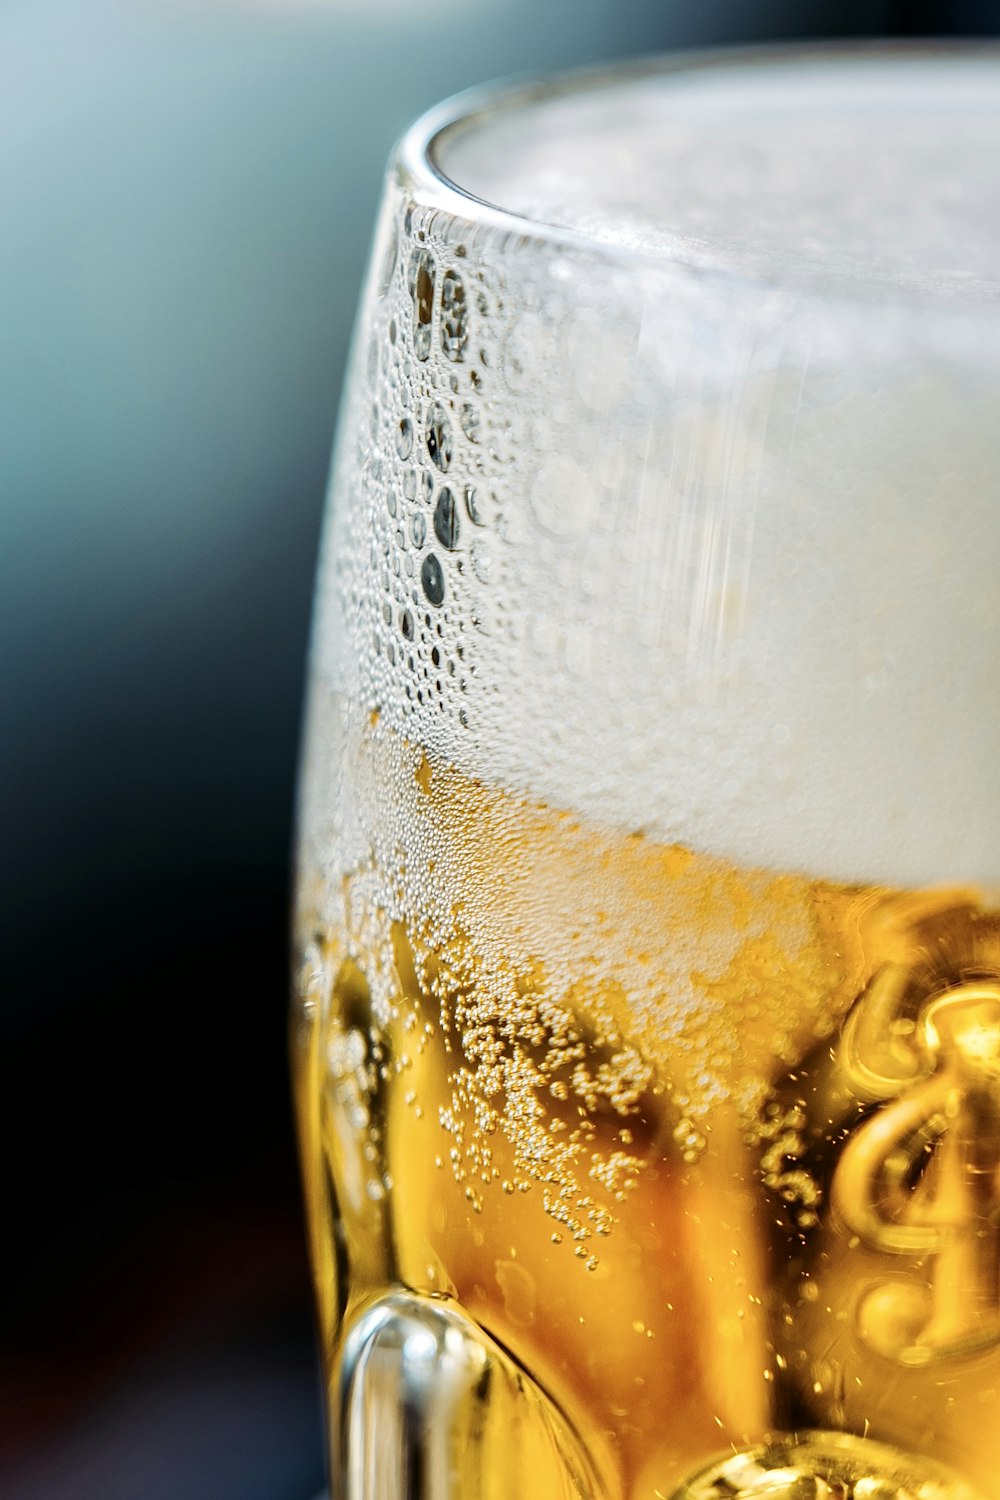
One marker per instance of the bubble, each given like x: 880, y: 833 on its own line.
x: 473, y: 505
x: 562, y: 496
x: 404, y: 438
x: 439, y: 441
x: 522, y: 352
x: 470, y: 420
x: 446, y: 519
x: 482, y: 561
x: 372, y: 473
x: 418, y: 529
x: 598, y: 357
x: 432, y: 579
x: 454, y: 316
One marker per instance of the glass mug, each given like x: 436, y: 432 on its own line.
x: 647, y: 1035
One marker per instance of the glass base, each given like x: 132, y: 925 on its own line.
x: 824, y: 1466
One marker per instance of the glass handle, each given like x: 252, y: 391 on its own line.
x: 430, y: 1408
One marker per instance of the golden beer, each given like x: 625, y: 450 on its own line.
x: 713, y: 1152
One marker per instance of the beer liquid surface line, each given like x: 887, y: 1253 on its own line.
x: 647, y: 1031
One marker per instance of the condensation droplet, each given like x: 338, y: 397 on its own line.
x: 482, y: 561
x: 470, y: 420
x: 439, y: 443
x: 420, y: 280
x: 404, y: 438
x: 418, y: 529
x: 473, y: 505
x: 421, y: 283
x: 562, y: 496
x: 446, y: 519
x: 522, y: 352
x: 454, y: 316
x: 432, y: 579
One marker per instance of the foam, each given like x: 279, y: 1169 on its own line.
x: 727, y: 573
x: 876, y: 169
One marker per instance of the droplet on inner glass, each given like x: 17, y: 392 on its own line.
x: 473, y: 505
x: 422, y: 272
x: 432, y: 579
x: 446, y: 519
x: 439, y: 444
x: 454, y: 315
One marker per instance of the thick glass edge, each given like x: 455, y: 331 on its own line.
x: 414, y: 164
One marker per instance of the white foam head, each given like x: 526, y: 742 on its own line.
x: 880, y: 169
x: 685, y: 512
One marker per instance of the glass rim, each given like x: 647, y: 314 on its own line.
x: 415, y: 161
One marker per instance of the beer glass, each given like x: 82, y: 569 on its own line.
x: 647, y: 1029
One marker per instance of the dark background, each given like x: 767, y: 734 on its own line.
x: 186, y: 194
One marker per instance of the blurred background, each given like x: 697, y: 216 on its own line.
x: 187, y: 194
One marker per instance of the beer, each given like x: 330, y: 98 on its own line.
x: 647, y: 1024
x: 597, y: 1089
